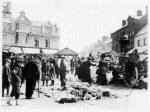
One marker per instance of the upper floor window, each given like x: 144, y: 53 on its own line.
x: 9, y: 25
x: 36, y: 43
x: 27, y: 37
x: 17, y: 37
x: 17, y: 26
x: 138, y: 42
x: 46, y: 43
x: 145, y: 41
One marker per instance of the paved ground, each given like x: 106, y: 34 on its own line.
x: 134, y: 100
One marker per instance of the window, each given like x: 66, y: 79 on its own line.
x: 49, y: 43
x: 132, y: 32
x: 27, y: 37
x: 138, y: 42
x: 144, y: 41
x: 17, y: 26
x: 9, y: 26
x: 36, y: 43
x: 17, y: 37
x: 46, y: 43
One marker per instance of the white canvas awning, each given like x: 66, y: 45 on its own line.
x: 31, y: 51
x: 139, y: 49
x: 16, y: 50
x: 49, y: 51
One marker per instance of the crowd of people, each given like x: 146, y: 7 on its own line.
x: 20, y: 70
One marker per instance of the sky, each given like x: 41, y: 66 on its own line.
x: 80, y: 22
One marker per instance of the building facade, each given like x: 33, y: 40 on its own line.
x: 140, y: 39
x: 130, y: 28
x: 107, y: 45
x: 24, y: 33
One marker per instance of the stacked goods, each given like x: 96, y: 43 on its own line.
x: 81, y: 92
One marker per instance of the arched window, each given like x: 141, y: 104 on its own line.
x: 36, y: 43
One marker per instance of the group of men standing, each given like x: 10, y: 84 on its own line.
x: 31, y: 71
x: 16, y: 76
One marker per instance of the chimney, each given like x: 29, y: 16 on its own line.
x: 146, y: 10
x: 123, y: 22
x: 139, y: 13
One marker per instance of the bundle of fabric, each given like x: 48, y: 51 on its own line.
x: 67, y: 100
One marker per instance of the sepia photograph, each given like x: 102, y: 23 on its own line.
x: 74, y: 55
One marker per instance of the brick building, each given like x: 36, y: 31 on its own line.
x: 130, y: 27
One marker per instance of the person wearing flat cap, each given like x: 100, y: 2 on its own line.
x: 16, y: 78
x: 6, y: 77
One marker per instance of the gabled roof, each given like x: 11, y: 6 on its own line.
x: 66, y: 52
x: 22, y: 16
x: 142, y: 31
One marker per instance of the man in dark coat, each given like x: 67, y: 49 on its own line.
x: 102, y: 69
x: 31, y: 74
x: 79, y: 69
x: 63, y: 73
x: 6, y: 77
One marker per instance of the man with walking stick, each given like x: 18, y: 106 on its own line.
x: 31, y: 74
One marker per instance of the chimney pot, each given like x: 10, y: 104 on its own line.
x: 139, y: 13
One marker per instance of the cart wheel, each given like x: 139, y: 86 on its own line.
x: 131, y: 80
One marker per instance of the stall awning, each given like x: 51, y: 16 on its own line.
x: 66, y: 52
x: 31, y: 51
x: 49, y: 51
x: 16, y: 50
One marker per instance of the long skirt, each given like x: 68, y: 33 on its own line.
x: 52, y: 76
x: 101, y: 79
x: 30, y: 87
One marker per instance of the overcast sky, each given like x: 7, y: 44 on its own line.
x: 81, y: 22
